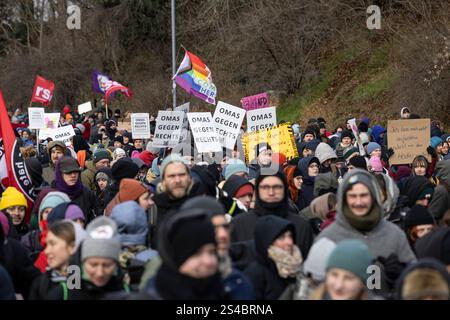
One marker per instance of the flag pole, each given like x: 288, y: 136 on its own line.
x: 174, y: 85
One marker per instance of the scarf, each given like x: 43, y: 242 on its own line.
x: 225, y: 266
x: 173, y: 285
x: 365, y: 223
x: 288, y: 265
x: 280, y: 209
x: 72, y: 191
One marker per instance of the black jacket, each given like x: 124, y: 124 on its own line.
x: 263, y: 272
x: 43, y: 284
x: 88, y: 204
x: 243, y: 226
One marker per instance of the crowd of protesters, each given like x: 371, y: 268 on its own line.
x: 141, y: 222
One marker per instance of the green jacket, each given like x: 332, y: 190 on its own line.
x: 88, y: 176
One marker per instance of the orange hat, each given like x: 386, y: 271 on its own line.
x: 68, y: 116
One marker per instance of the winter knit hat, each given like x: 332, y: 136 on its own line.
x: 324, y: 152
x: 353, y: 256
x: 435, y: 141
x: 417, y: 216
x: 358, y: 162
x: 182, y: 234
x: 312, y: 145
x: 131, y: 223
x: 102, y: 240
x: 101, y: 154
x: 173, y: 158
x: 347, y: 134
x: 234, y: 185
x: 129, y: 190
x: 372, y: 147
x: 74, y: 212
x: 375, y: 164
x: 152, y: 149
x: 12, y: 197
x: 65, y: 211
x: 118, y: 139
x: 80, y: 127
x: 52, y: 200
x: 234, y: 166
x: 119, y: 152
x: 212, y: 206
x: 124, y: 168
x: 318, y: 255
x: 103, y: 173
x: 351, y: 153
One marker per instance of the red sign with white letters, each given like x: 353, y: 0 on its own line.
x: 43, y: 91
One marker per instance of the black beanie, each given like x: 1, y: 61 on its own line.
x: 358, y: 162
x: 209, y: 204
x: 347, y: 134
x: 34, y: 169
x: 418, y: 215
x: 124, y: 168
x: 233, y: 184
x: 119, y: 139
x: 189, y: 235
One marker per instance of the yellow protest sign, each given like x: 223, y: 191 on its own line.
x: 280, y: 138
x: 408, y: 138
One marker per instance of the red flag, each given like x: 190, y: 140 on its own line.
x: 13, y: 171
x: 42, y: 91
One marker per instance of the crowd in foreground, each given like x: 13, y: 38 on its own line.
x: 118, y: 218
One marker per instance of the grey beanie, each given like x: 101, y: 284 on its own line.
x: 316, y: 262
x: 102, y: 240
x: 173, y: 158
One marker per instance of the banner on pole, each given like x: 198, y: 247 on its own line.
x: 84, y: 107
x: 257, y: 101
x: 228, y: 120
x: 36, y: 118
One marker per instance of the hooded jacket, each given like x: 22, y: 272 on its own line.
x: 263, y: 272
x: 431, y: 245
x: 307, y: 190
x: 243, y: 226
x: 392, y: 195
x: 420, y: 287
x: 383, y: 239
x: 88, y: 176
x: 412, y: 187
x: 440, y: 201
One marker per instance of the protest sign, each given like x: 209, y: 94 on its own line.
x: 228, y: 120
x: 185, y: 109
x: 168, y: 128
x: 355, y: 131
x: 260, y: 119
x: 42, y: 91
x: 140, y: 126
x: 204, y: 131
x: 257, y: 101
x: 408, y: 139
x: 51, y: 121
x: 36, y: 118
x: 280, y: 138
x: 62, y: 134
x: 84, y: 107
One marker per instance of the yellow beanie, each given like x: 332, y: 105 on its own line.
x: 12, y: 197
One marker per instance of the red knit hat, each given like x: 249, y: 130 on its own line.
x: 147, y: 157
x: 244, y: 190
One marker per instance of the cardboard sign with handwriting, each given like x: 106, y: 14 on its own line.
x: 408, y: 138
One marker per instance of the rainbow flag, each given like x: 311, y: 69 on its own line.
x: 195, y: 78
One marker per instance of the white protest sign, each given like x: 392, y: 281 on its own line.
x: 260, y: 119
x: 228, y: 120
x: 62, y: 134
x: 185, y: 109
x: 204, y: 131
x: 140, y: 126
x: 36, y: 118
x: 51, y: 121
x: 168, y: 128
x: 84, y: 107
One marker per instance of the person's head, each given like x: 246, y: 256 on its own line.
x: 360, y: 193
x: 70, y: 170
x: 126, y: 138
x: 138, y: 143
x: 418, y: 222
x: 216, y: 212
x: 124, y: 168
x: 118, y: 142
x: 374, y: 149
x: 60, y: 244
x: 427, y: 279
x: 56, y: 150
x: 239, y: 188
x: 263, y: 154
x: 309, y: 135
x: 188, y: 243
x: 420, y: 166
x: 103, y: 178
x: 346, y: 138
x: 442, y: 148
x: 14, y: 203
x: 316, y: 261
x: 271, y: 189
x: 101, y: 158
x: 175, y: 176
x: 322, y: 129
x: 405, y: 113
x: 25, y: 134
x: 308, y: 167
x: 134, y: 190
x: 424, y: 197
x: 235, y: 167
x: 132, y: 224
x: 357, y: 162
x: 51, y: 201
x: 347, y: 270
x: 100, y: 251
x: 145, y: 200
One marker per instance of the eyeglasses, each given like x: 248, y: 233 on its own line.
x: 266, y: 188
x: 226, y: 226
